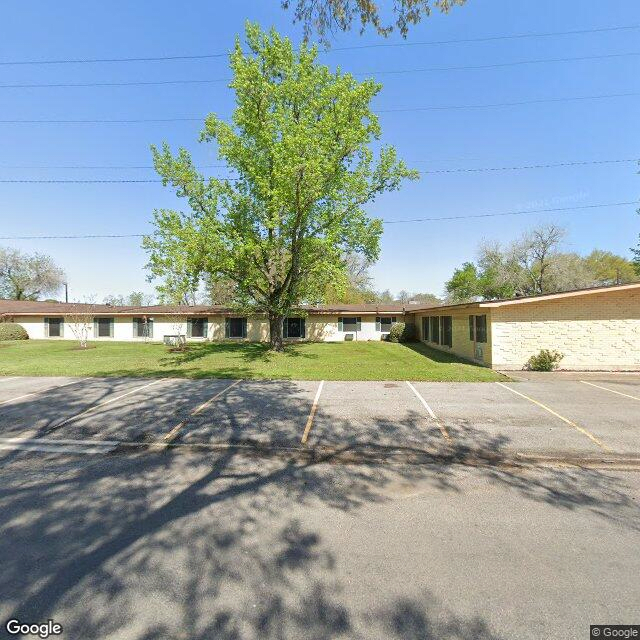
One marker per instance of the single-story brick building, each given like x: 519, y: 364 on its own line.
x: 595, y: 329
x: 329, y: 323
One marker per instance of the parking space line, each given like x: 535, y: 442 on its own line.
x: 443, y: 429
x: 102, y: 404
x: 171, y: 436
x: 557, y: 415
x: 35, y: 393
x: 43, y: 445
x: 626, y: 395
x: 312, y: 413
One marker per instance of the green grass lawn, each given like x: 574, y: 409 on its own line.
x: 306, y: 361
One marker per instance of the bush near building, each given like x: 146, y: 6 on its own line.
x: 12, y: 331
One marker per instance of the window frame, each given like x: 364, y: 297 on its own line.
x: 227, y: 327
x: 379, y: 319
x: 286, y: 327
x: 59, y: 322
x: 96, y: 326
x: 199, y: 321
x: 434, y: 329
x: 446, y: 331
x: 485, y: 328
x: 138, y: 322
x: 358, y: 324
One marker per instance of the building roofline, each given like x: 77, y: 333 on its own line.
x: 535, y: 298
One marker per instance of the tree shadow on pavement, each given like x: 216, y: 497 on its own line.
x: 201, y: 546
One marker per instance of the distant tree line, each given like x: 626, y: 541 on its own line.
x: 535, y: 264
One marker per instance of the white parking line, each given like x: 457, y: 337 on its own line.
x: 314, y: 408
x: 171, y: 436
x: 10, y: 378
x: 102, y: 404
x: 57, y: 446
x: 557, y: 415
x: 443, y: 429
x: 626, y: 395
x: 35, y: 393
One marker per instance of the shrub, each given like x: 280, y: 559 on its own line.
x: 12, y: 331
x: 402, y: 332
x: 546, y: 360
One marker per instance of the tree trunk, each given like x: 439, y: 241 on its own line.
x: 275, y: 332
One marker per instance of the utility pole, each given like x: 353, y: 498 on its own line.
x: 66, y: 292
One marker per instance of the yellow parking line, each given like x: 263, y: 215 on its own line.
x: 557, y: 415
x: 35, y: 393
x: 171, y: 436
x: 314, y: 408
x: 102, y: 404
x: 443, y: 429
x: 626, y: 395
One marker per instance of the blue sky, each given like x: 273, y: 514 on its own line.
x: 416, y: 257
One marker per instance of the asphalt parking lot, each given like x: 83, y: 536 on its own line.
x: 577, y: 414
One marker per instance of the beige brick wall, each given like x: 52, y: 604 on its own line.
x: 597, y: 331
x: 462, y: 346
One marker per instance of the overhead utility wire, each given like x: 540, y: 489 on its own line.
x: 463, y: 217
x: 360, y: 73
x: 515, y: 213
x: 395, y: 110
x: 206, y: 56
x: 576, y: 163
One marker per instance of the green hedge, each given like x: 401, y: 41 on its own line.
x: 12, y: 331
x: 546, y: 360
x: 402, y: 332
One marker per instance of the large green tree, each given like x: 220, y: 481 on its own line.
x: 300, y: 142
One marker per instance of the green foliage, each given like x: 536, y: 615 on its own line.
x: 607, y: 267
x: 546, y: 360
x: 299, y: 142
x: 12, y: 331
x: 402, y: 332
x: 532, y: 265
x: 464, y: 283
x: 324, y: 16
x: 25, y: 276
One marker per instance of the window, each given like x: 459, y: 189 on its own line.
x: 53, y: 327
x: 383, y: 323
x: 143, y: 327
x: 447, y: 331
x: 294, y: 328
x: 103, y: 327
x: 197, y: 328
x: 434, y: 329
x: 425, y: 329
x: 349, y: 323
x: 478, y: 328
x: 481, y: 328
x: 235, y: 327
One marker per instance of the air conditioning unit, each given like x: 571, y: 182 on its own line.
x: 349, y: 337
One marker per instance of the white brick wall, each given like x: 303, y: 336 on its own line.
x: 595, y: 331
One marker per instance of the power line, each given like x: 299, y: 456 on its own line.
x: 499, y: 64
x: 206, y: 56
x: 396, y: 110
x: 463, y: 217
x: 487, y: 38
x: 574, y: 163
x: 361, y: 73
x: 515, y: 213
